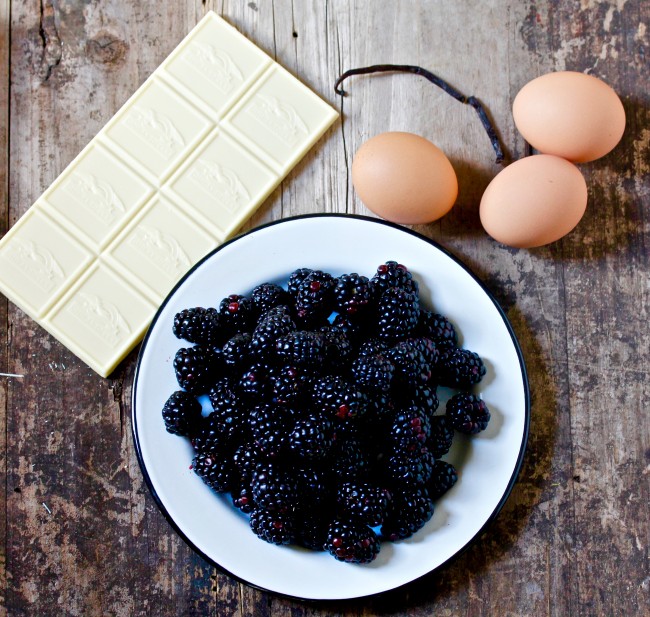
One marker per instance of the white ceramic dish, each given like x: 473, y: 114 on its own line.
x: 488, y: 463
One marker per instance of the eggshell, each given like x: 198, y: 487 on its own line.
x: 569, y: 114
x: 534, y: 201
x: 404, y: 178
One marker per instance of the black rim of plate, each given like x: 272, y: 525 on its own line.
x: 522, y: 365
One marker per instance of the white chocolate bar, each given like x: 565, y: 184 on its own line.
x: 176, y: 171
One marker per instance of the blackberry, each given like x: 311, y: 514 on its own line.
x: 311, y: 529
x: 338, y: 348
x: 237, y: 313
x: 380, y: 406
x: 267, y: 296
x: 412, y: 359
x: 315, y: 297
x: 273, y: 488
x: 311, y: 437
x: 372, y: 347
x: 409, y: 512
x: 227, y: 408
x: 397, y: 314
x: 442, y: 434
x: 276, y: 323
x: 338, y: 398
x: 272, y: 527
x: 194, y: 369
x: 410, y: 428
x: 392, y: 274
x: 349, y: 460
x: 215, y: 471
x: 444, y: 476
x: 245, y: 459
x: 460, y: 368
x: 236, y: 352
x: 181, y: 413
x: 437, y: 328
x: 314, y: 484
x: 253, y: 386
x: 355, y: 331
x: 296, y: 279
x: 211, y: 436
x: 363, y: 502
x: 242, y: 498
x: 467, y: 413
x: 421, y: 395
x: 288, y: 384
x: 351, y: 542
x: 198, y: 325
x: 401, y: 468
x: 301, y: 348
x: 268, y: 427
x: 374, y: 373
x: 352, y: 294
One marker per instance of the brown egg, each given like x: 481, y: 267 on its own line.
x: 534, y: 201
x: 404, y: 178
x: 572, y: 115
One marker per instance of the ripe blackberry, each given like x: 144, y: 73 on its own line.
x: 237, y: 313
x: 214, y: 470
x: 355, y: 331
x: 267, y: 296
x: 273, y: 488
x: 437, y: 328
x: 407, y: 468
x: 352, y: 294
x: 314, y: 484
x: 392, y: 274
x: 236, y: 353
x: 467, y: 413
x: 194, y: 369
x: 442, y: 434
x: 460, y: 368
x: 301, y: 348
x: 349, y: 460
x: 444, y: 476
x: 410, y: 428
x: 288, y: 384
x: 380, y: 406
x: 363, y: 502
x: 311, y: 529
x: 181, y: 413
x: 397, y: 314
x: 409, y: 512
x: 374, y: 373
x: 268, y: 428
x: 276, y: 323
x: 199, y: 325
x: 253, y: 385
x: 311, y: 437
x: 338, y: 348
x: 296, y: 279
x: 373, y: 346
x: 315, y: 297
x: 422, y: 395
x: 338, y: 398
x: 351, y: 542
x: 272, y: 527
x: 211, y: 436
x: 245, y: 459
x: 227, y: 408
x: 412, y: 359
x: 242, y: 498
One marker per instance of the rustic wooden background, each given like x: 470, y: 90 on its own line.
x: 82, y: 536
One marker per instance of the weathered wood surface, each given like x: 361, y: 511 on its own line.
x: 81, y: 534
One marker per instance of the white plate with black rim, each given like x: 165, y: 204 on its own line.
x: 488, y: 463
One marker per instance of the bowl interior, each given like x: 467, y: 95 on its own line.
x: 487, y: 463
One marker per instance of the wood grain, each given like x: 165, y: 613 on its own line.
x: 82, y: 536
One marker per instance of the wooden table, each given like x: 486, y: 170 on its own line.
x: 82, y: 536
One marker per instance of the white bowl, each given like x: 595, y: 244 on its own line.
x: 488, y: 463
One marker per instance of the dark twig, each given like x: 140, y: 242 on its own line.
x: 442, y: 84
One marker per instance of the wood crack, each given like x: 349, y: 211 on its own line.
x: 52, y: 46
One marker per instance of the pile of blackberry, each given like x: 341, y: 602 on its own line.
x: 323, y: 423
